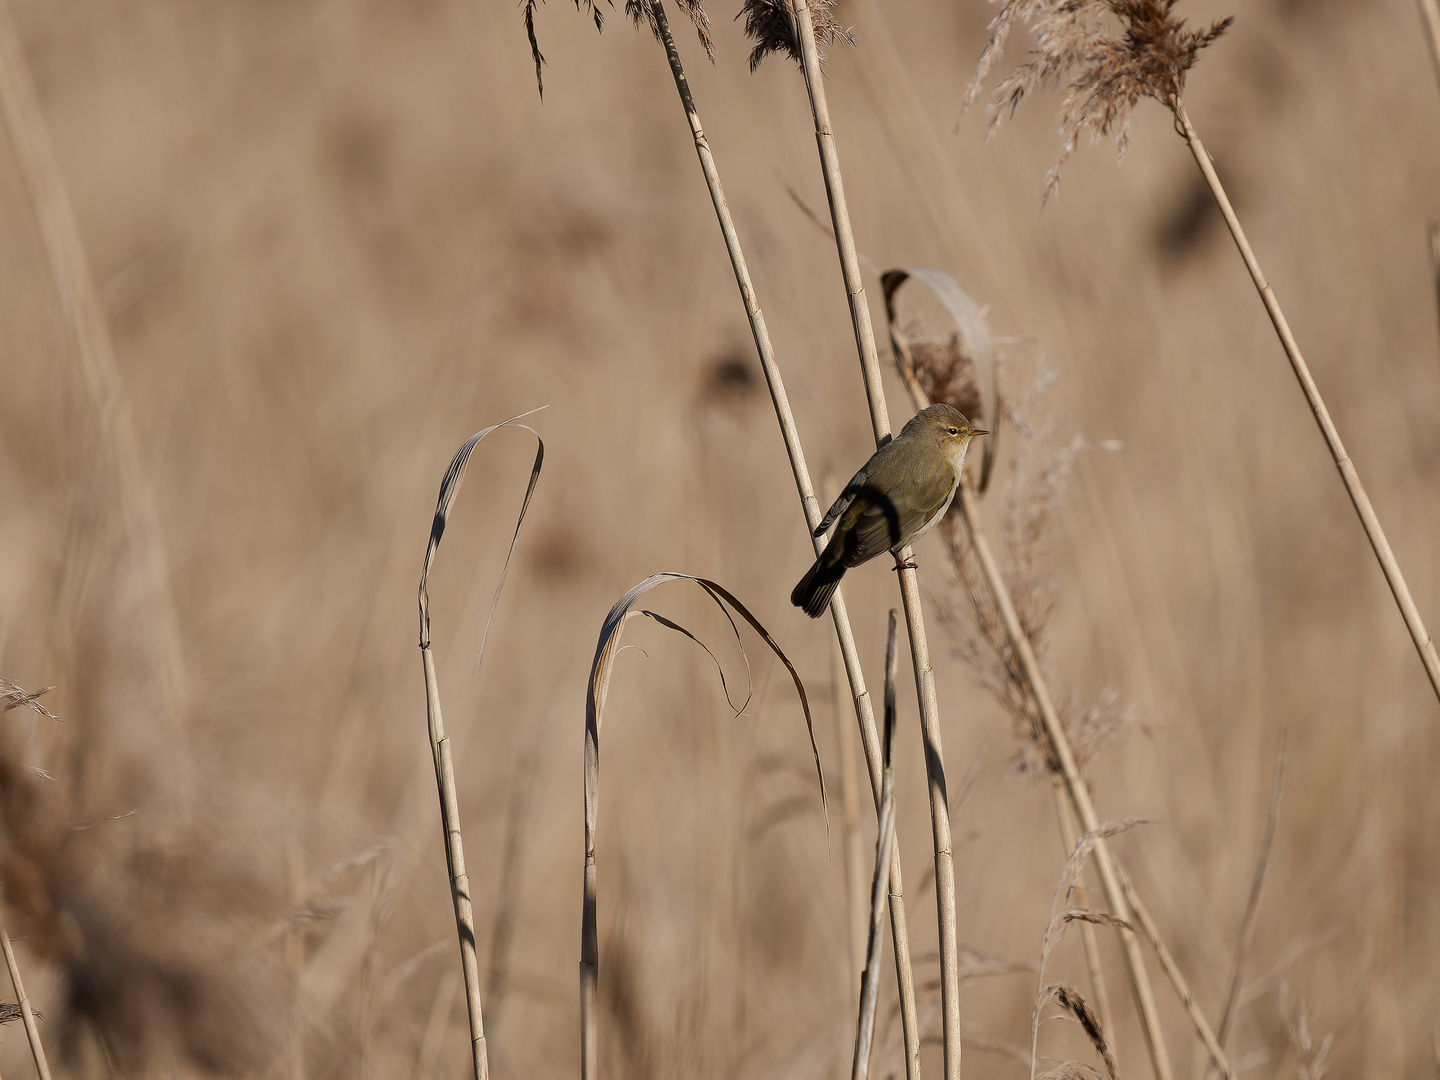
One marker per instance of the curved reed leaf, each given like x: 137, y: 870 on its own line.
x: 449, y: 488
x: 974, y: 343
x: 597, y: 689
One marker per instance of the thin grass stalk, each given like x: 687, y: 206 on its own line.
x: 1348, y: 473
x: 1252, y: 905
x: 855, y: 910
x: 1172, y: 969
x: 864, y: 709
x: 884, y: 840
x: 1070, y: 835
x: 909, y: 579
x: 99, y: 372
x: 27, y: 1014
x: 455, y: 859
x: 1074, y: 783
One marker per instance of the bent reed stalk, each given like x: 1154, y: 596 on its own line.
x: 909, y: 578
x: 1348, y: 473
x: 864, y: 708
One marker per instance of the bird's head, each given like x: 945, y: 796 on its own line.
x: 945, y: 427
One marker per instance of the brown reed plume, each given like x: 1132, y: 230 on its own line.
x: 771, y: 25
x: 1149, y: 56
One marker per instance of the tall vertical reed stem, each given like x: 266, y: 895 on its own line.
x: 455, y: 859
x: 1423, y: 645
x: 1430, y: 16
x: 909, y: 580
x: 32, y: 1032
x: 864, y: 709
x: 884, y: 840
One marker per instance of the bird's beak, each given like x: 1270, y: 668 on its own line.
x: 977, y: 431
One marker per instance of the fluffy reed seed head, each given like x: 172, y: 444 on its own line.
x: 1033, y: 494
x: 1123, y: 50
x: 771, y: 25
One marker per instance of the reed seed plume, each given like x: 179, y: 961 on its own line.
x: 13, y: 696
x: 1119, y: 51
x: 1032, y: 496
x: 771, y: 25
x: 643, y: 11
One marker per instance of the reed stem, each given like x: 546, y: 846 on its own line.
x: 1348, y: 473
x: 909, y: 580
x: 27, y: 1014
x: 884, y: 840
x: 455, y: 859
x: 864, y: 709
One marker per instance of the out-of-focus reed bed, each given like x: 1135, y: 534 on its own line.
x: 330, y: 241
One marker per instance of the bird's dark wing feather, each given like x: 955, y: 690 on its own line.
x: 841, y: 504
x: 879, y: 526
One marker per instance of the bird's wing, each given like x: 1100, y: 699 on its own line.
x: 842, y: 503
x: 880, y: 526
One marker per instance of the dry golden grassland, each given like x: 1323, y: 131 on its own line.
x: 331, y: 240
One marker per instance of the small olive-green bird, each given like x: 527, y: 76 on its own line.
x: 894, y: 500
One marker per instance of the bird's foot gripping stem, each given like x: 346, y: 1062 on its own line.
x: 907, y: 563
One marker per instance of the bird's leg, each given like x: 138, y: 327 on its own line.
x: 908, y: 563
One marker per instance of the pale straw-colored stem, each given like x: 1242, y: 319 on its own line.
x: 857, y: 914
x: 884, y: 840
x: 1074, y: 785
x: 99, y: 372
x: 1070, y: 776
x: 27, y: 1014
x: 455, y: 859
x: 909, y: 580
x: 1423, y: 645
x: 864, y: 709
x: 1172, y: 969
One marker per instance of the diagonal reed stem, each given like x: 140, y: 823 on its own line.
x: 909, y: 579
x: 1368, y: 518
x: 884, y: 841
x: 32, y: 1032
x: 864, y: 708
x: 1074, y: 783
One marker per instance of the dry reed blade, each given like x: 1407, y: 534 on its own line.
x: 909, y: 578
x: 597, y: 689
x: 884, y: 840
x: 860, y: 695
x: 1068, y: 997
x: 1069, y: 770
x: 1252, y: 905
x: 974, y: 342
x: 440, y: 742
x: 1065, y: 815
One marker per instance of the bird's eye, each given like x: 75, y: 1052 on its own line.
x: 954, y: 431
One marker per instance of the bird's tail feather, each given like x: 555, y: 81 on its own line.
x: 813, y: 594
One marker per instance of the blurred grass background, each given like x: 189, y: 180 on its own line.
x: 334, y: 239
